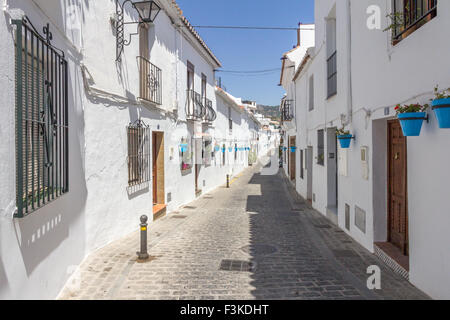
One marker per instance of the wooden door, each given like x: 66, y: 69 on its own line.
x: 397, y: 187
x: 154, y: 167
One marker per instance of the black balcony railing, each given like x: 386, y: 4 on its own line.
x: 210, y: 114
x: 194, y: 106
x: 332, y: 75
x: 150, y: 81
x: 413, y: 14
x: 287, y: 112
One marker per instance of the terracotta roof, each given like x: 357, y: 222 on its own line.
x: 284, y: 59
x: 195, y: 33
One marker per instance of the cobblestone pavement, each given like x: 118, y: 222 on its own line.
x: 281, y: 248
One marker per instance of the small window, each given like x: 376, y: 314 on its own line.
x: 207, y: 151
x: 320, y: 148
x: 311, y: 93
x: 204, y: 81
x: 138, y: 137
x: 42, y: 122
x: 301, y: 164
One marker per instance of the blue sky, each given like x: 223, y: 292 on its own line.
x: 250, y: 49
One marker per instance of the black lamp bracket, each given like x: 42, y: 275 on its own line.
x: 121, y: 42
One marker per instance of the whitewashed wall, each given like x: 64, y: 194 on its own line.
x: 402, y: 74
x: 383, y: 76
x: 38, y: 253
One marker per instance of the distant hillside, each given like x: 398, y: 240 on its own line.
x: 272, y: 112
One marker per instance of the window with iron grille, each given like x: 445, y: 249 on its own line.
x: 138, y: 137
x: 320, y: 147
x: 331, y: 56
x: 42, y: 127
x: 409, y: 15
x: 332, y: 75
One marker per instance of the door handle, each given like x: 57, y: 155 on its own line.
x: 396, y: 156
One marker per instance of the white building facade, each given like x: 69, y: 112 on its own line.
x: 387, y: 191
x: 96, y: 136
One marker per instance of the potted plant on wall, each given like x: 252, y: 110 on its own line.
x: 411, y: 117
x: 441, y: 107
x: 344, y: 137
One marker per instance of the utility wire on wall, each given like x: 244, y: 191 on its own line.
x: 251, y: 28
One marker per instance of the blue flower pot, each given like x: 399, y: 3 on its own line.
x: 441, y: 109
x: 411, y: 123
x: 344, y: 140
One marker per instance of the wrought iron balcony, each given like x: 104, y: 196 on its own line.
x: 412, y: 15
x: 210, y: 114
x: 195, y: 109
x: 150, y: 81
x: 287, y: 113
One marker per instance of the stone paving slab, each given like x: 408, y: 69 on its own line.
x: 252, y: 222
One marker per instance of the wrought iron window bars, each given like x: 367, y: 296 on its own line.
x: 195, y: 108
x: 150, y: 81
x: 414, y: 13
x: 42, y: 127
x: 138, y: 136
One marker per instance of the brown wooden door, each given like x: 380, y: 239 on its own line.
x: 397, y: 187
x: 154, y: 168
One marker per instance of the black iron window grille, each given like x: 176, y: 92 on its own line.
x: 194, y: 106
x: 332, y: 75
x: 320, y: 147
x: 287, y: 113
x: 410, y: 15
x: 150, y: 81
x: 42, y: 127
x: 138, y: 137
x: 210, y: 114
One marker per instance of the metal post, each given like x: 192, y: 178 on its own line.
x: 228, y: 180
x: 143, y: 254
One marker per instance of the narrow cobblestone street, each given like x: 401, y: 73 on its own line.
x: 281, y: 249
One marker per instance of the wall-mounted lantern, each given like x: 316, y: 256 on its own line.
x: 147, y: 10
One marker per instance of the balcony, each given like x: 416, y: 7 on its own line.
x: 411, y: 15
x: 150, y: 81
x: 287, y: 113
x: 210, y: 114
x: 195, y: 110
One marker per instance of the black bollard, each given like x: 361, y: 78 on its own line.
x: 143, y: 254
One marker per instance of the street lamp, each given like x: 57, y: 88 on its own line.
x: 147, y: 10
